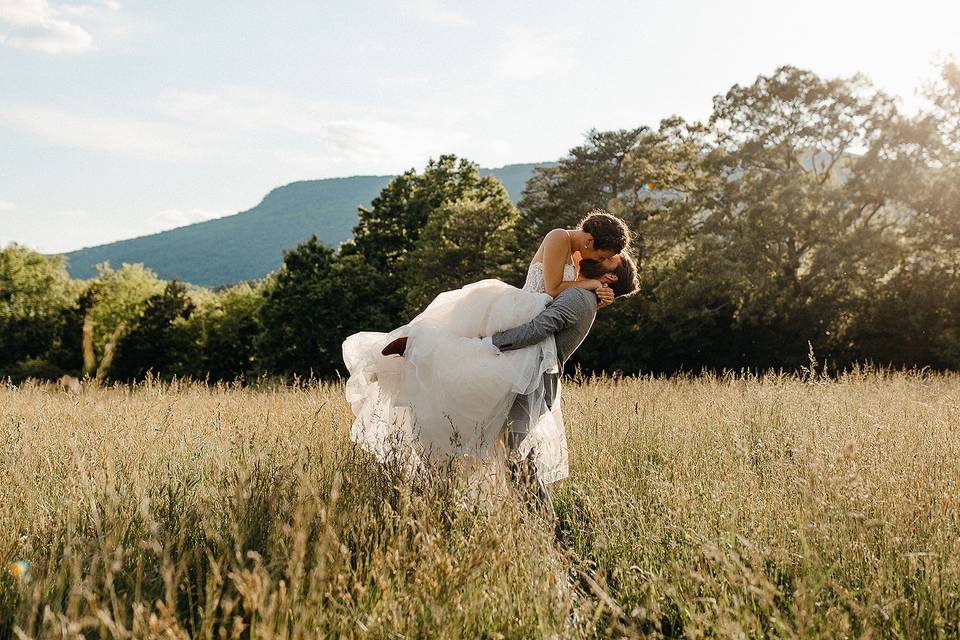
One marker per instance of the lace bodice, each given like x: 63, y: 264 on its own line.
x: 535, y: 280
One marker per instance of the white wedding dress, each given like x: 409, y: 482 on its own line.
x: 449, y: 396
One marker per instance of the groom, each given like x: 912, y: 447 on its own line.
x: 568, y: 318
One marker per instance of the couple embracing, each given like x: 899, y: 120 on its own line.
x: 476, y: 375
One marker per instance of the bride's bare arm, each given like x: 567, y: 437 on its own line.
x: 556, y: 254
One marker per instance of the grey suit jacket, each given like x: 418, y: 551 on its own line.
x: 568, y: 318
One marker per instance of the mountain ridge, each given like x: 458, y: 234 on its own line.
x: 249, y: 244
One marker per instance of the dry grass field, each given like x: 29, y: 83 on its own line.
x: 697, y: 507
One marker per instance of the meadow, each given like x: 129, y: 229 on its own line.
x: 707, y: 506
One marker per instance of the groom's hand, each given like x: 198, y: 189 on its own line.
x: 604, y: 296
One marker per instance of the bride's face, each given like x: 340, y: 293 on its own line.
x: 587, y: 252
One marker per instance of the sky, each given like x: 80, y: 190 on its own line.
x: 120, y: 118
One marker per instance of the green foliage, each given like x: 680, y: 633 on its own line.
x: 463, y: 242
x: 34, y: 292
x: 315, y: 301
x: 796, y: 215
x: 916, y: 319
x: 115, y: 299
x: 31, y: 368
x: 593, y: 175
x: 800, y: 250
x: 388, y: 235
x: 159, y: 340
x: 226, y: 327
x: 389, y: 229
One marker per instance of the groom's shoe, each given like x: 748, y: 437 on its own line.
x: 396, y: 348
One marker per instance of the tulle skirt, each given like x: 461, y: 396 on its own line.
x: 450, y: 396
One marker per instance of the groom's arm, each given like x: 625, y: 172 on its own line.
x: 567, y: 309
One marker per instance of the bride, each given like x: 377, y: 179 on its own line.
x: 449, y: 396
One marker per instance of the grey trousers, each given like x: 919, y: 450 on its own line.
x: 523, y: 472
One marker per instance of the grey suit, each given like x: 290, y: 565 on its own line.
x: 567, y: 319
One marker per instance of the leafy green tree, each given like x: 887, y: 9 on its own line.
x: 593, y: 175
x: 108, y: 307
x: 794, y: 245
x: 313, y: 303
x: 941, y: 202
x: 159, y: 339
x: 35, y: 291
x: 646, y: 177
x: 388, y: 232
x: 915, y: 320
x: 462, y: 242
x: 793, y: 215
x: 389, y: 229
x: 226, y: 327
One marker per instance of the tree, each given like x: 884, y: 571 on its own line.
x: 226, y: 327
x: 916, y: 318
x: 387, y: 233
x: 592, y: 176
x: 941, y: 203
x: 107, y: 307
x: 462, y: 242
x: 35, y: 291
x: 389, y: 229
x: 781, y: 224
x: 159, y: 340
x: 313, y: 303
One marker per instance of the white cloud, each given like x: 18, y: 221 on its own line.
x: 7, y: 206
x: 88, y: 9
x: 240, y: 133
x: 280, y: 136
x: 528, y: 53
x: 437, y: 12
x: 246, y: 108
x: 152, y: 140
x: 41, y: 26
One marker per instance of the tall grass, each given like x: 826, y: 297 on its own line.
x: 729, y: 506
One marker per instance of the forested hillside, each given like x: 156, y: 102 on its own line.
x: 250, y: 244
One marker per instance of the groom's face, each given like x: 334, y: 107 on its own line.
x: 599, y: 268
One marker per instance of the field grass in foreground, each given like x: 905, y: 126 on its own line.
x: 727, y: 507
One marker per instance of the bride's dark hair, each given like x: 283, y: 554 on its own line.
x: 608, y: 231
x: 627, y: 282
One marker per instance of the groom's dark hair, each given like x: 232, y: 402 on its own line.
x: 627, y: 282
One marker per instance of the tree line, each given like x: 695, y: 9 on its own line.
x: 804, y: 214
